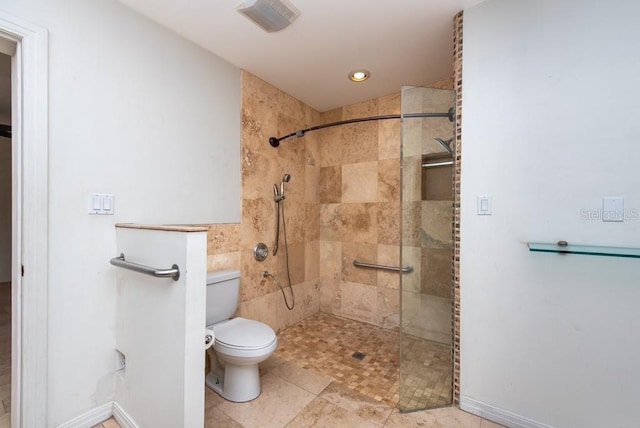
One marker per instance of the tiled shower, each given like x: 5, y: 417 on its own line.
x: 343, y: 203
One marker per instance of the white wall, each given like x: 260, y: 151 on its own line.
x: 138, y: 112
x: 550, y: 126
x: 161, y: 329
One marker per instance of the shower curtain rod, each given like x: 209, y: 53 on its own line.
x: 275, y: 142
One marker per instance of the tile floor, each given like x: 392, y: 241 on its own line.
x: 313, y: 381
x: 325, y: 344
x: 326, y: 387
x: 293, y: 397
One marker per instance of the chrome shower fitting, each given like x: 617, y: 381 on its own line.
x: 267, y: 274
x: 278, y: 196
x: 445, y: 144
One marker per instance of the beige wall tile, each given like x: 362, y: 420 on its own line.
x: 331, y: 296
x: 412, y: 223
x: 331, y: 222
x: 330, y: 184
x: 366, y: 253
x: 412, y: 256
x: 389, y: 180
x: 312, y: 222
x: 296, y: 261
x: 223, y: 261
x: 259, y: 123
x: 295, y: 213
x: 364, y: 109
x: 360, y: 182
x: 437, y: 183
x: 306, y: 302
x: 389, y: 134
x: 360, y: 302
x: 359, y: 223
x: 389, y: 104
x: 412, y: 178
x: 223, y: 238
x: 330, y: 146
x: 437, y: 269
x: 312, y: 261
x: 330, y: 259
x: 312, y: 143
x: 437, y: 224
x: 269, y: 112
x: 262, y: 308
x: 359, y: 142
x: 258, y: 222
x: 389, y: 223
x: 312, y: 184
x: 412, y: 137
x: 388, y: 255
x: 252, y: 282
x: 388, y: 308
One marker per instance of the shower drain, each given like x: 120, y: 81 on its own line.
x: 358, y: 355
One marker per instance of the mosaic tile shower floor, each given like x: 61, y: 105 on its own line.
x: 325, y: 344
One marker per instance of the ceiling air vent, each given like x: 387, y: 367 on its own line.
x: 271, y: 15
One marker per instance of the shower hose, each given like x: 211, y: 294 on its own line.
x: 286, y: 258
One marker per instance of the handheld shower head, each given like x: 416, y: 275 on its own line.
x: 285, y: 179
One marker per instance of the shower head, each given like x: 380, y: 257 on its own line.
x: 445, y: 144
x: 285, y: 179
x: 275, y: 142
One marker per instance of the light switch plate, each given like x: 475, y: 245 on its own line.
x: 484, y: 205
x: 613, y: 209
x: 101, y: 204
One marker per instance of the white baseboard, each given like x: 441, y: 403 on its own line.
x: 101, y: 414
x: 123, y: 417
x: 91, y: 418
x: 497, y: 415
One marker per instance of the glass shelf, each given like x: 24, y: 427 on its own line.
x: 592, y: 250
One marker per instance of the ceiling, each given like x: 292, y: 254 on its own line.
x: 401, y: 42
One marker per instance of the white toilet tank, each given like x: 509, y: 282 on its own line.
x: 223, y: 289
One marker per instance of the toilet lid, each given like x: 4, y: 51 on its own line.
x: 244, y: 333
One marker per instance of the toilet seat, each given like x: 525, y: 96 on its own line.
x: 243, y: 334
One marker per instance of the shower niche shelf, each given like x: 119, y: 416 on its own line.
x: 562, y: 247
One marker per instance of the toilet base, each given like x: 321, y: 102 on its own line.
x: 238, y: 384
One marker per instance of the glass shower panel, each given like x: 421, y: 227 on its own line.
x: 426, y: 300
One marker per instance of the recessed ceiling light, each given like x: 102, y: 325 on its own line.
x: 359, y: 75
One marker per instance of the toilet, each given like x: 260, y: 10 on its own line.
x: 240, y: 344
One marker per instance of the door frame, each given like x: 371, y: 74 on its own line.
x: 30, y: 239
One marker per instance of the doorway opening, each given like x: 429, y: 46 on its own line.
x: 6, y: 183
x: 25, y: 45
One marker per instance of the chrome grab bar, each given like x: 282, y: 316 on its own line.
x: 407, y: 269
x: 174, y: 272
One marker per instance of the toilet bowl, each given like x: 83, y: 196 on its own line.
x: 240, y: 344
